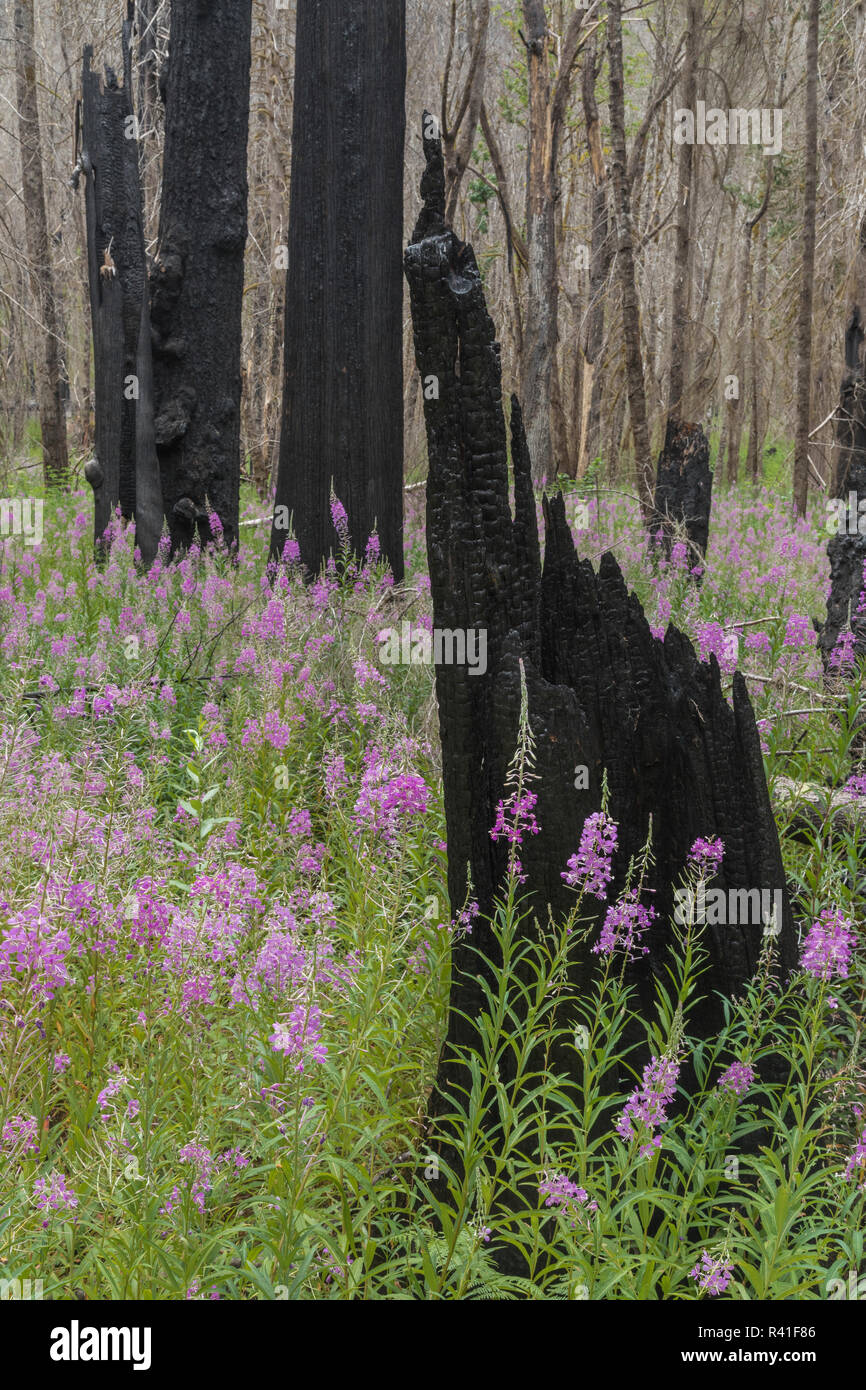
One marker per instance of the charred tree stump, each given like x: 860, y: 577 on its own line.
x: 847, y: 547
x: 684, y: 491
x: 197, y: 283
x: 342, y: 419
x: 603, y: 694
x: 125, y: 470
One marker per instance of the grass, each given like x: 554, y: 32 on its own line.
x: 225, y: 963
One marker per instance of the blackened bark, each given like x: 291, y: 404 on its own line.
x: 603, y: 693
x: 198, y: 280
x: 127, y: 471
x: 847, y: 548
x: 684, y: 489
x: 343, y: 392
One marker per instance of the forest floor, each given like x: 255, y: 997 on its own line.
x: 224, y: 950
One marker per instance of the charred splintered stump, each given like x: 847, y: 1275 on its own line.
x: 847, y: 546
x: 604, y: 695
x: 125, y: 470
x: 197, y: 282
x: 684, y: 490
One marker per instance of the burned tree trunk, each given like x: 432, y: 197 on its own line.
x: 603, y: 694
x: 684, y: 490
x: 198, y: 281
x: 847, y: 547
x: 343, y: 393
x: 125, y: 468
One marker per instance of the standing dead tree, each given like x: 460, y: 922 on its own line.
x: 342, y: 424
x: 197, y: 282
x: 125, y: 469
x: 846, y: 609
x: 683, y: 491
x: 603, y: 694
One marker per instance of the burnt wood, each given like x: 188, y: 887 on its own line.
x: 847, y: 548
x: 126, y: 471
x: 603, y: 693
x: 684, y: 490
x: 197, y: 282
x: 342, y: 419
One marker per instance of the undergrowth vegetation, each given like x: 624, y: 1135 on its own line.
x: 225, y: 955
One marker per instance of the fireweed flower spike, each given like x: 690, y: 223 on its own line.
x: 737, y: 1079
x: 53, y: 1194
x: 340, y: 519
x: 624, y: 925
x: 707, y: 855
x: 559, y: 1191
x: 827, y: 949
x: 646, y: 1109
x: 516, y: 818
x: 300, y: 1036
x: 590, y: 869
x: 856, y: 1166
x: 712, y: 1275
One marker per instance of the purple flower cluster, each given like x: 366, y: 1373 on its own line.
x: 515, y: 818
x: 194, y: 1291
x: 827, y: 949
x: 300, y: 1036
x: 856, y: 1165
x: 559, y: 1191
x: 53, y: 1194
x: 712, y: 1275
x: 387, y: 799
x: 19, y: 1135
x: 30, y: 946
x: 340, y: 519
x: 624, y: 925
x: 206, y: 1166
x: 203, y: 1161
x: 590, y: 869
x: 799, y: 632
x: 465, y: 919
x: 107, y: 1094
x: 646, y: 1109
x: 737, y: 1079
x: 707, y: 855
